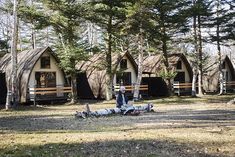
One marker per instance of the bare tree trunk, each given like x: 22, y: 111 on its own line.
x: 33, y: 35
x: 166, y: 63
x: 74, y: 88
x: 221, y: 78
x: 90, y: 35
x: 72, y: 74
x: 140, y: 66
x: 194, y: 82
x: 20, y: 42
x: 108, y: 88
x: 8, y: 29
x: 14, y: 86
x: 9, y: 96
x: 196, y: 50
x: 164, y: 50
x: 200, y: 72
x: 47, y: 37
x: 109, y: 75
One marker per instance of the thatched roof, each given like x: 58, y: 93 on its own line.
x: 26, y: 61
x: 154, y: 64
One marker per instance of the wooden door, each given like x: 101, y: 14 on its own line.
x: 45, y: 79
x: 180, y: 77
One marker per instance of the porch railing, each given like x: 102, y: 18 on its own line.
x: 130, y: 89
x: 229, y: 86
x: 49, y: 93
x: 182, y: 88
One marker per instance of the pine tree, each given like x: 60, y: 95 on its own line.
x: 30, y: 12
x: 138, y: 25
x: 170, y: 21
x: 222, y: 22
x: 109, y: 15
x: 199, y: 12
x: 65, y: 18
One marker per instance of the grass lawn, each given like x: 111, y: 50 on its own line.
x: 180, y: 126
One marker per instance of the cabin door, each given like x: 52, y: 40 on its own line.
x: 45, y: 79
x: 180, y: 77
x: 3, y: 88
x: 124, y: 79
x: 225, y: 74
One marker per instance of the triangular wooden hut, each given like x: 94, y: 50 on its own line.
x: 94, y: 70
x: 36, y: 68
x: 211, y: 78
x: 153, y: 66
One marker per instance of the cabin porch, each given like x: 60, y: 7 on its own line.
x: 52, y: 94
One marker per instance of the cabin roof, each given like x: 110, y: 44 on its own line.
x: 97, y: 62
x: 154, y: 64
x: 25, y: 59
x: 213, y: 66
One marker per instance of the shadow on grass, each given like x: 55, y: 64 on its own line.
x: 116, y: 148
x: 26, y: 108
x: 192, y: 100
x: 184, y: 118
x: 176, y: 100
x: 48, y: 106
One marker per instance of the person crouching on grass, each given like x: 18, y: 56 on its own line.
x: 123, y: 106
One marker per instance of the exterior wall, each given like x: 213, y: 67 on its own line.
x: 184, y: 69
x: 97, y: 79
x: 130, y: 68
x: 54, y: 68
x: 227, y: 69
x: 97, y: 83
x: 210, y: 83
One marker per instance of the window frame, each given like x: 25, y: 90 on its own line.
x: 44, y: 65
x: 179, y: 65
x: 123, y: 61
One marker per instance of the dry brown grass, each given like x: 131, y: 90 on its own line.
x: 179, y: 127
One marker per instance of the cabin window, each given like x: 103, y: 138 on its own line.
x: 45, y: 62
x: 45, y: 79
x: 124, y: 78
x: 179, y: 65
x: 223, y: 65
x: 123, y: 64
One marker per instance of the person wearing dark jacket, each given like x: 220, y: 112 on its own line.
x: 121, y: 98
